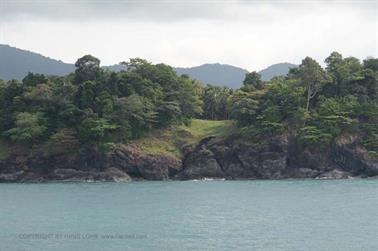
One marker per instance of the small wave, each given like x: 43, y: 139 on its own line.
x: 208, y: 179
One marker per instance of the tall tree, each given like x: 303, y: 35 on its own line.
x: 252, y: 80
x: 313, y: 77
x: 87, y: 68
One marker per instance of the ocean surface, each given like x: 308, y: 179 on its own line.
x: 191, y: 215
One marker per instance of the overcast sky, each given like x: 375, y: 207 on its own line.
x: 248, y: 34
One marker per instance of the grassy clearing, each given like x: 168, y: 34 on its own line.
x: 204, y: 128
x: 174, y: 138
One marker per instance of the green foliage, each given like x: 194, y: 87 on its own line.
x: 216, y: 102
x: 28, y: 128
x: 252, y: 81
x: 313, y: 78
x: 96, y: 106
x: 173, y: 139
x: 314, y: 135
x: 244, y: 108
x: 64, y: 141
x: 33, y: 79
x: 314, y: 104
x: 93, y: 129
x: 87, y: 68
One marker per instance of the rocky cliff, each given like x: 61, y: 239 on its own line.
x: 231, y: 158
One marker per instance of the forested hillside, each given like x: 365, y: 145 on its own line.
x: 95, y: 106
x: 16, y: 63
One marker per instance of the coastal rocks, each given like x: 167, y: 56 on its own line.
x: 124, y: 163
x: 141, y: 165
x: 335, y: 174
x: 109, y: 174
x: 231, y: 160
x: 201, y: 163
x: 10, y: 177
x: 278, y: 157
x: 353, y: 157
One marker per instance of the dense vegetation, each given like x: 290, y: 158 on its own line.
x: 313, y: 104
x: 93, y: 106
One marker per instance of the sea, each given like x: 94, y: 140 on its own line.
x: 250, y: 215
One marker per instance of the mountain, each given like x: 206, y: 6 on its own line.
x: 16, y: 63
x: 276, y: 70
x: 216, y: 74
x: 231, y: 76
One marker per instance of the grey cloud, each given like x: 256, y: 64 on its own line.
x: 164, y: 10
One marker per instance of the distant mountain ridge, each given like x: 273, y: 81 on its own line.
x: 231, y: 76
x: 216, y: 74
x: 276, y: 70
x: 16, y: 63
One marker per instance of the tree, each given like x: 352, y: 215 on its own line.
x: 216, y: 102
x: 10, y: 103
x: 95, y: 129
x: 189, y: 101
x: 313, y: 77
x: 244, y: 108
x: 64, y: 141
x: 139, y: 114
x: 168, y: 112
x: 333, y: 61
x: 28, y: 128
x: 87, y: 68
x: 33, y: 79
x: 252, y: 80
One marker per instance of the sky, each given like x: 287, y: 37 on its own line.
x: 249, y: 34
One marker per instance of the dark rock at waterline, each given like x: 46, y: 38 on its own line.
x: 335, y: 174
x: 109, y: 174
x: 353, y: 157
x: 200, y: 163
x: 138, y: 164
x: 278, y: 157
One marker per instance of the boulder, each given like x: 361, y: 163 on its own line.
x: 109, y: 174
x: 352, y: 157
x: 200, y: 163
x: 335, y: 174
x: 138, y: 164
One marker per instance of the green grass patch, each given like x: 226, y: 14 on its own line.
x: 172, y: 140
x: 204, y: 128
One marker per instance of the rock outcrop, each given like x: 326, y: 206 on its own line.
x: 278, y: 157
x: 124, y: 163
x: 351, y: 156
x: 140, y: 165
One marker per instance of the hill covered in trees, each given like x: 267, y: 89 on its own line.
x: 311, y: 114
x: 16, y: 63
x: 231, y: 76
x: 216, y: 74
x: 275, y: 70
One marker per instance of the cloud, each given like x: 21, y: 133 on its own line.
x: 250, y: 34
x: 170, y: 10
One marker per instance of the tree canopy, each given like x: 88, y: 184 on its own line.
x: 96, y: 106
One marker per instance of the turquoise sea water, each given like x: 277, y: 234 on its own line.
x: 191, y: 215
